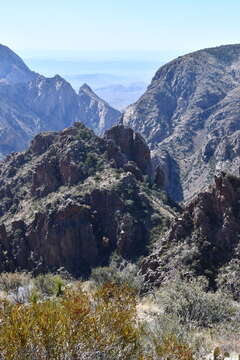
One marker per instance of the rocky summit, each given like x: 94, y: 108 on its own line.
x: 203, y: 241
x: 12, y: 68
x: 189, y: 116
x: 95, y: 112
x: 73, y: 198
x: 30, y: 103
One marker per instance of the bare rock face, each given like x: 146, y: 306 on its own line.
x: 204, y: 240
x: 189, y: 116
x: 65, y: 203
x: 97, y: 114
x: 31, y: 103
x: 12, y: 68
x: 132, y: 145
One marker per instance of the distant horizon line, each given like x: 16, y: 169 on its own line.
x: 120, y: 55
x: 115, y: 52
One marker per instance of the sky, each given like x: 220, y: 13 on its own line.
x: 117, y: 27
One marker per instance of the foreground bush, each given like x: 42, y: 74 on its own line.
x: 110, y: 320
x: 120, y: 272
x: 74, y: 326
x: 189, y: 301
x: 101, y: 325
x: 172, y: 348
x: 11, y: 282
x: 48, y: 284
x: 17, y: 286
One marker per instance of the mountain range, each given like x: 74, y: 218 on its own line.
x: 118, y: 91
x: 120, y: 96
x: 30, y: 103
x: 189, y: 114
x: 190, y: 117
x: 73, y: 198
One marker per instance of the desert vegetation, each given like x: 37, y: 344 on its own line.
x: 110, y: 316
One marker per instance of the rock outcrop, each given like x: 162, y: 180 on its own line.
x: 30, y: 103
x: 96, y: 113
x: 189, y: 116
x: 132, y: 146
x: 203, y: 241
x: 72, y: 199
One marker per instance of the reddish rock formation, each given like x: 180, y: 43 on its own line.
x: 72, y: 199
x: 204, y: 240
x: 132, y: 145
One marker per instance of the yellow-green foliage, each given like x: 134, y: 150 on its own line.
x: 73, y: 324
x: 172, y: 348
x: 217, y: 354
x: 48, y: 284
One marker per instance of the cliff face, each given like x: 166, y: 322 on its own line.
x: 34, y: 106
x: 204, y: 240
x: 96, y: 113
x: 189, y: 116
x: 73, y: 198
x: 30, y: 103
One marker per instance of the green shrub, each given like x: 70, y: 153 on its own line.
x: 172, y: 348
x: 103, y: 274
x: 193, y: 305
x: 217, y: 354
x: 120, y: 273
x: 129, y: 204
x: 228, y: 279
x: 11, y: 282
x: 48, y: 284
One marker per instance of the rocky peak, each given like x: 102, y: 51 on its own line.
x: 132, y: 145
x: 31, y: 103
x: 204, y: 240
x: 42, y: 142
x: 65, y: 203
x: 12, y: 69
x: 86, y: 88
x: 98, y: 115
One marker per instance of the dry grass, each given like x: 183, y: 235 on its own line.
x: 11, y: 282
x: 109, y: 321
x: 73, y: 324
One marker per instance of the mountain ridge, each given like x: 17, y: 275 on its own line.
x: 30, y: 103
x: 73, y: 198
x: 12, y: 68
x: 189, y: 117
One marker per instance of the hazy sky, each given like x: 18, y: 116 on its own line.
x: 31, y: 27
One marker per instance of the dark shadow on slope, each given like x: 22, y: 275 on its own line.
x: 174, y: 189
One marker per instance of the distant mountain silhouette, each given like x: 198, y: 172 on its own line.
x: 120, y: 96
x: 30, y: 103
